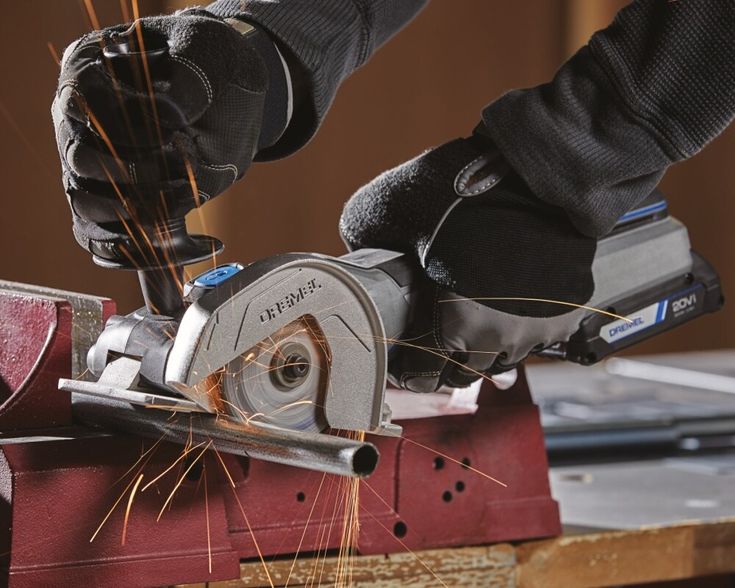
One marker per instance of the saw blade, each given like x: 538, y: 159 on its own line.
x: 281, y: 381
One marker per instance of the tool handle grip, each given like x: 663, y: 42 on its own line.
x: 392, y: 280
x: 161, y: 289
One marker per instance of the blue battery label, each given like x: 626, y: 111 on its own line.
x: 673, y: 307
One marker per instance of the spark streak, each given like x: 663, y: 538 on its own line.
x: 464, y: 465
x: 187, y: 451
x: 545, y: 300
x: 206, y: 514
x: 252, y: 535
x: 306, y: 527
x: 181, y: 480
x: 92, y: 15
x: 124, y: 10
x: 127, y: 510
x: 54, y: 53
x: 406, y: 547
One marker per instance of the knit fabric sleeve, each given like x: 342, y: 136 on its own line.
x: 651, y: 89
x: 325, y: 41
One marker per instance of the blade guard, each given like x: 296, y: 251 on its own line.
x: 229, y: 320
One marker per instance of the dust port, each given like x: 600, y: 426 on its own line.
x: 438, y: 463
x: 400, y: 529
x: 459, y: 486
x: 301, y: 497
x: 447, y: 496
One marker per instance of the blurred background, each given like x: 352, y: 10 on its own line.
x: 426, y: 86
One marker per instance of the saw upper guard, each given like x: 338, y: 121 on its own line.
x: 263, y: 362
x: 304, y: 304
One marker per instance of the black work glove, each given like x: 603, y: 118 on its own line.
x: 481, y: 236
x: 143, y: 139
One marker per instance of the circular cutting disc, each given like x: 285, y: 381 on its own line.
x: 281, y: 381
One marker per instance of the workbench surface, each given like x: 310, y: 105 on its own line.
x: 628, y: 521
x: 683, y: 551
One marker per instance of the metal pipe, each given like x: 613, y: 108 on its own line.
x: 314, y: 451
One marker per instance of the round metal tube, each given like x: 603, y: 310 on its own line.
x: 314, y: 451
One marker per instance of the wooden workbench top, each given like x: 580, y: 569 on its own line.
x: 687, y: 550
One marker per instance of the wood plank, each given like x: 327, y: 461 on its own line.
x: 679, y: 552
x: 689, y: 550
x: 488, y: 566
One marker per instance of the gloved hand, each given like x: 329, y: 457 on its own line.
x: 143, y: 139
x: 490, y: 249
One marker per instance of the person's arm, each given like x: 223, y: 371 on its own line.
x: 324, y: 41
x: 649, y: 90
x: 218, y: 89
x: 509, y: 238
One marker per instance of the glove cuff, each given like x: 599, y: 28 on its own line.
x: 278, y: 105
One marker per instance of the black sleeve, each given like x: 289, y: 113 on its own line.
x: 650, y: 90
x: 324, y: 42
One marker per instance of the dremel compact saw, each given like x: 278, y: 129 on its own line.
x: 270, y: 358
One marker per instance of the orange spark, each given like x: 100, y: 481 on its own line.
x: 252, y: 535
x: 92, y: 15
x: 122, y: 494
x: 181, y: 480
x: 127, y: 510
x: 406, y: 547
x: 464, y: 465
x: 206, y: 514
x: 306, y: 526
x: 546, y: 300
x: 187, y: 451
x: 54, y: 52
x: 124, y: 11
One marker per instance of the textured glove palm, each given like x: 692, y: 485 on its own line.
x: 491, y: 250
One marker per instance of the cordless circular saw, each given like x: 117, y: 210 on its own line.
x: 270, y: 358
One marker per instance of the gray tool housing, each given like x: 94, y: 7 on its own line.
x: 264, y: 297
x: 361, y: 302
x: 143, y: 357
